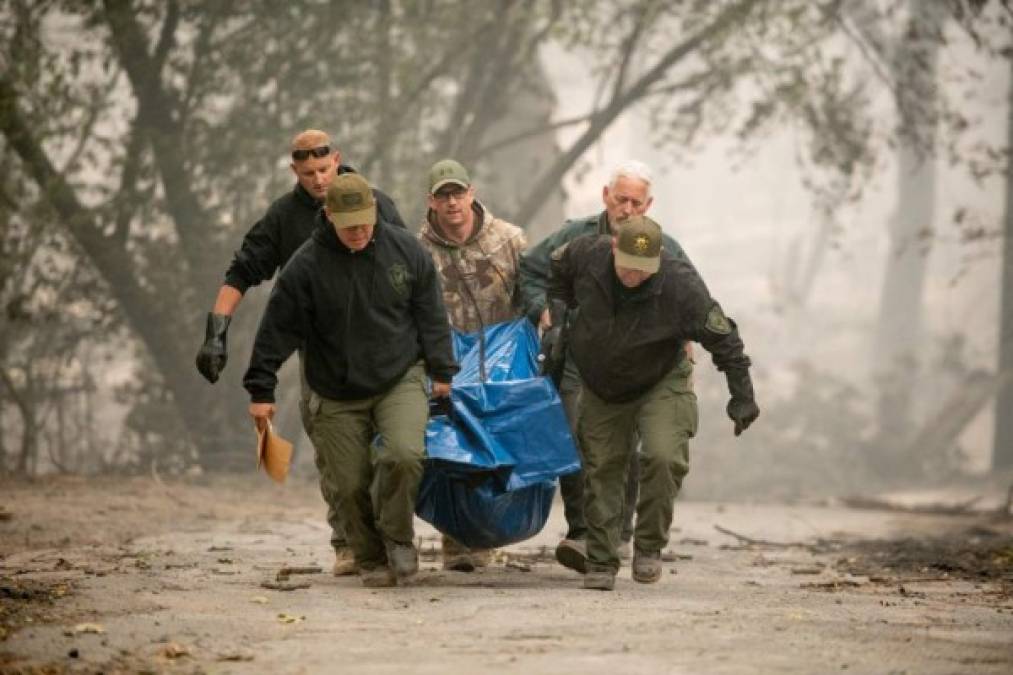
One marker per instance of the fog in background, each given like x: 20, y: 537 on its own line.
x: 804, y: 280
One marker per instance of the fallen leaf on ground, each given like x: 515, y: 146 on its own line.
x: 89, y: 628
x: 290, y: 618
x: 235, y: 656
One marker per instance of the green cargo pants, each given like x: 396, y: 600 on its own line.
x: 309, y: 404
x: 666, y: 418
x: 374, y: 487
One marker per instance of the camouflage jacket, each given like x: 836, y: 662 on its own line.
x: 480, y: 276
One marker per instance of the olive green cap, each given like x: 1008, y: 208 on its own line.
x: 447, y: 171
x: 638, y: 244
x: 350, y: 201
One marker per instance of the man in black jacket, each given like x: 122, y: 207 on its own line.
x: 638, y: 305
x: 266, y: 248
x: 363, y: 300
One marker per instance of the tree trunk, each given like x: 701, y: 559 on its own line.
x: 899, y: 330
x: 1002, y: 449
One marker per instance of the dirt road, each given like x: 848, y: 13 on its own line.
x: 140, y: 575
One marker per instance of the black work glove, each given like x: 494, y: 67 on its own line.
x: 212, y: 355
x: 742, y: 408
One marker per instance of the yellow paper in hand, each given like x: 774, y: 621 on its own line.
x: 273, y: 453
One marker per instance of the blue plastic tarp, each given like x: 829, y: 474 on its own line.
x: 492, y: 463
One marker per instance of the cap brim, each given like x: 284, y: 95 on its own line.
x: 366, y: 216
x: 637, y: 262
x: 448, y: 181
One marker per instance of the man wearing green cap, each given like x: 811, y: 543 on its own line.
x: 638, y: 306
x: 266, y: 248
x: 477, y: 256
x: 627, y: 193
x: 362, y: 299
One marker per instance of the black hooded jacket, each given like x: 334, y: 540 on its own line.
x: 624, y: 341
x: 288, y: 223
x: 361, y: 317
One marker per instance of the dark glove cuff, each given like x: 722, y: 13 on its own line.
x: 217, y: 325
x: 740, y: 385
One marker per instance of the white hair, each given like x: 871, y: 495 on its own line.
x: 632, y: 168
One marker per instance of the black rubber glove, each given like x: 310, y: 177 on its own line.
x: 212, y: 355
x: 553, y: 346
x: 742, y: 408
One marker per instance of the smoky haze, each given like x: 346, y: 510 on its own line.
x: 790, y: 156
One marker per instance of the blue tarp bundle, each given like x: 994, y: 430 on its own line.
x: 492, y: 463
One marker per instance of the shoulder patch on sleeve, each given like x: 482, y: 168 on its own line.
x: 717, y: 322
x: 557, y: 253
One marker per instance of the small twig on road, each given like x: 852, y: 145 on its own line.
x: 760, y: 542
x: 284, y: 585
x: 874, y: 503
x: 835, y: 585
x: 304, y: 569
x: 285, y: 572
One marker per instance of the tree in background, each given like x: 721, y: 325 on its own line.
x: 151, y: 130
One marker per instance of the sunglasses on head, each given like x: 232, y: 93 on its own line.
x: 321, y: 151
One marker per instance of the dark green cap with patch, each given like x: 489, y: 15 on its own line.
x: 350, y: 201
x: 445, y: 172
x: 638, y: 244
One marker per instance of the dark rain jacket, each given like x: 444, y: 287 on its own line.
x: 288, y: 223
x: 535, y: 267
x: 362, y: 318
x: 624, y: 341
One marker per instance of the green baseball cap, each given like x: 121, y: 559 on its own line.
x: 447, y: 171
x: 638, y: 244
x: 350, y: 201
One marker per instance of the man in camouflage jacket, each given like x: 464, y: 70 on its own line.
x: 477, y: 258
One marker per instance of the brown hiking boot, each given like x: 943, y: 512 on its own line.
x: 599, y: 578
x: 403, y: 559
x: 378, y: 577
x: 572, y: 553
x: 344, y: 563
x: 482, y: 557
x: 646, y: 566
x: 456, y: 557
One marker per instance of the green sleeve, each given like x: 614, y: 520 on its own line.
x: 535, y: 267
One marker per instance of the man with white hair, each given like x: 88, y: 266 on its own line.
x: 638, y: 306
x: 627, y: 194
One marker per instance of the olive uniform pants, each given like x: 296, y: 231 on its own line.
x: 374, y: 486
x: 571, y: 486
x: 666, y: 418
x: 309, y: 405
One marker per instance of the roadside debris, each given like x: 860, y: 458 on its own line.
x: 284, y: 585
x: 96, y: 628
x: 175, y: 650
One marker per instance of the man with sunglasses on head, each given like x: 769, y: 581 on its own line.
x: 627, y: 194
x: 266, y: 248
x: 477, y: 257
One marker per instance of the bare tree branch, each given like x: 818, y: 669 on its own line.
x: 601, y: 120
x: 158, y: 110
x: 531, y: 133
